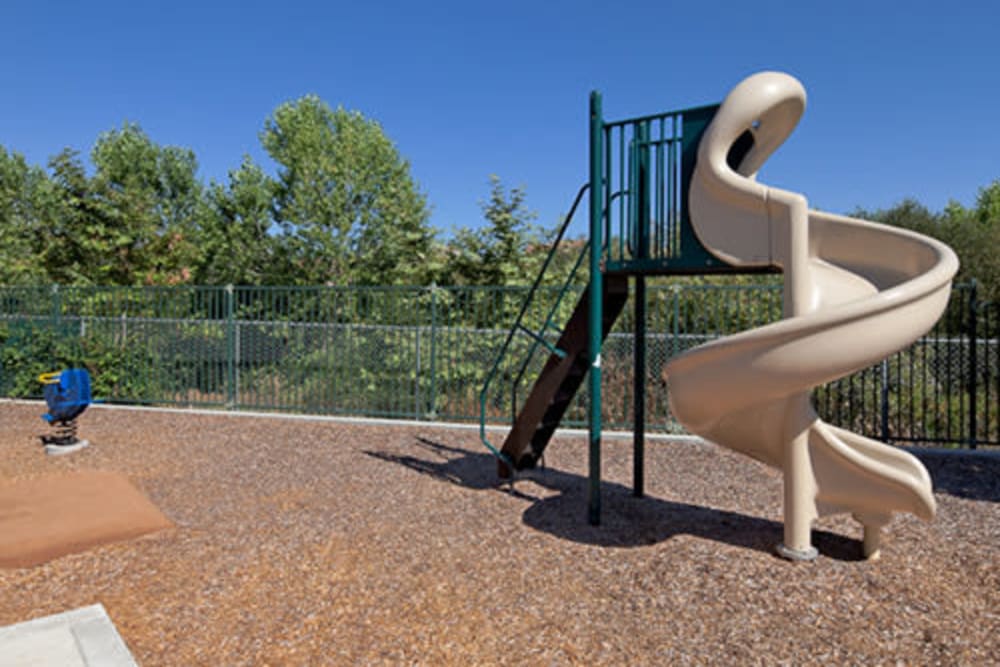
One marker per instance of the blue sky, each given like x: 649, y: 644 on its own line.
x: 903, y: 96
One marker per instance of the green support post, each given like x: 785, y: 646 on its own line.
x: 639, y: 342
x: 595, y: 306
x: 639, y: 393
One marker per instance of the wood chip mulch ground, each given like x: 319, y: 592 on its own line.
x: 322, y: 543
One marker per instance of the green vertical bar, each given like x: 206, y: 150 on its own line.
x: 973, y: 309
x: 630, y: 237
x: 283, y: 398
x: 623, y: 164
x: 674, y: 344
x: 56, y: 312
x: 432, y: 413
x: 673, y: 227
x: 230, y: 348
x: 317, y: 349
x: 658, y: 194
x: 595, y: 308
x: 639, y: 383
x: 639, y: 342
x: 642, y: 191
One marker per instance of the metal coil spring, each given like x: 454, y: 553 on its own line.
x: 63, y: 433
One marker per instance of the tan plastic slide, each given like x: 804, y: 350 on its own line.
x: 854, y: 293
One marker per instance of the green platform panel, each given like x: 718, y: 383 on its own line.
x: 648, y: 163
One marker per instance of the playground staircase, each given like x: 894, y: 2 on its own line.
x: 639, y: 226
x: 559, y: 380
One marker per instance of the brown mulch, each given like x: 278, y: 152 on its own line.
x: 312, y: 543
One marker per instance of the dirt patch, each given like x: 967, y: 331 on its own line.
x: 55, y: 515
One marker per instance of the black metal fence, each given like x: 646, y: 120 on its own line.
x: 941, y: 390
x: 421, y: 353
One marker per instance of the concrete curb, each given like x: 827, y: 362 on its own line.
x: 361, y: 421
x: 83, y: 637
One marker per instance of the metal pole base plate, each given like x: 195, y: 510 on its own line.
x: 60, y: 450
x: 807, y: 554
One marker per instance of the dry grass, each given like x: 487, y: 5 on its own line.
x: 309, y: 543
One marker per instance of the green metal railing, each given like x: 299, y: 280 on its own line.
x: 640, y: 170
x: 540, y: 338
x: 423, y: 353
x: 646, y: 168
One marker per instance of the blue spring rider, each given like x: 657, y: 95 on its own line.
x: 67, y: 395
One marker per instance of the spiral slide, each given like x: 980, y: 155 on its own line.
x: 854, y: 293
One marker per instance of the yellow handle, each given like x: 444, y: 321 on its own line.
x: 49, y: 378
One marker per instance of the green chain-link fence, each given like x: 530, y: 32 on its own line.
x: 421, y: 353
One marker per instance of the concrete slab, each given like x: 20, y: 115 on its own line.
x: 83, y: 637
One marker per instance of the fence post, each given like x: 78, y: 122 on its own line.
x: 230, y: 308
x: 54, y: 322
x: 885, y: 399
x: 56, y: 310
x: 973, y: 377
x: 676, y: 328
x: 639, y: 389
x: 432, y: 412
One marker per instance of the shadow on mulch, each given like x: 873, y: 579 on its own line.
x: 964, y: 474
x: 626, y: 521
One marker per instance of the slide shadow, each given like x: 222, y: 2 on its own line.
x: 962, y: 473
x: 626, y: 521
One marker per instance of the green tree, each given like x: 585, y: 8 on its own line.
x: 908, y: 213
x: 973, y: 233
x: 77, y: 247
x: 504, y: 250
x: 26, y: 198
x: 348, y: 209
x: 237, y: 247
x: 147, y: 196
x: 988, y: 204
x: 133, y: 222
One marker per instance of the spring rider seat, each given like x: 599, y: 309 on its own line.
x: 67, y: 395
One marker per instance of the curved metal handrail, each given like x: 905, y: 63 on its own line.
x: 548, y: 322
x: 518, y: 324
